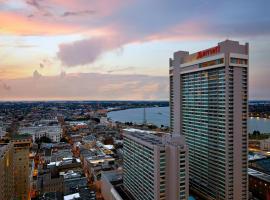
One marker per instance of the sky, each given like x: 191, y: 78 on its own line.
x: 119, y: 49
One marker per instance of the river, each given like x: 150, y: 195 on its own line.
x: 160, y: 116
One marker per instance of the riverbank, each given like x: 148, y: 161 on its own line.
x: 133, y: 107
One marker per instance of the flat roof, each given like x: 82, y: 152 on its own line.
x: 113, y: 175
x: 259, y: 175
x: 72, y: 196
x: 145, y: 135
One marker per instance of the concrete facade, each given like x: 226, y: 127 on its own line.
x: 21, y: 168
x: 52, y: 132
x: 6, y: 172
x: 107, y: 188
x: 208, y: 99
x: 265, y: 145
x: 155, y: 166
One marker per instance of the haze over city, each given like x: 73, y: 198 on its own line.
x: 102, y: 50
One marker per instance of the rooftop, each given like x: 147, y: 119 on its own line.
x: 64, y: 161
x: 3, y: 148
x: 21, y: 137
x: 259, y: 175
x: 72, y: 196
x: 113, y: 176
x: 71, y: 174
x: 155, y: 138
x: 145, y: 135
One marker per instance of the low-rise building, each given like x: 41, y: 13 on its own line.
x: 109, y: 180
x: 89, y: 141
x: 73, y: 180
x: 61, y: 154
x: 261, y: 164
x: 81, y: 193
x: 50, y: 181
x: 259, y: 184
x: 52, y: 177
x: 75, y: 138
x: 265, y: 145
x: 66, y: 164
x: 53, y: 132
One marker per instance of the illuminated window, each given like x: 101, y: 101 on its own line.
x: 211, y: 63
x: 239, y: 61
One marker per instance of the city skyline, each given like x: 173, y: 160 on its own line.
x: 89, y: 50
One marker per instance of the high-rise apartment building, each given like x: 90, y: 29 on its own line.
x: 209, y: 106
x: 155, y: 167
x: 21, y: 168
x: 6, y: 172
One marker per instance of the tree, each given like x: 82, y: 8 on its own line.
x: 152, y: 126
x: 255, y: 132
x: 63, y: 139
x: 43, y: 139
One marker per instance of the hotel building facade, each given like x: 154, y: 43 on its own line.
x: 155, y: 166
x: 209, y: 106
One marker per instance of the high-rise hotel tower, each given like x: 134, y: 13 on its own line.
x: 209, y: 105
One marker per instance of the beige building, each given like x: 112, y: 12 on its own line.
x: 6, y: 172
x: 209, y: 106
x: 21, y: 168
x: 265, y: 145
x: 109, y: 181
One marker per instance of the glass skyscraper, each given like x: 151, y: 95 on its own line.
x: 208, y: 99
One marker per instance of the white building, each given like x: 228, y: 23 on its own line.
x: 265, y: 145
x: 52, y: 132
x: 155, y: 167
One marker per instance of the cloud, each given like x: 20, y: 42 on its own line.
x: 30, y: 16
x: 78, y: 13
x: 163, y: 23
x: 18, y: 24
x: 88, y: 86
x: 34, y: 3
x: 120, y: 69
x: 133, y: 19
x: 18, y: 45
x: 4, y: 86
x: 41, y: 65
x: 46, y: 62
x: 86, y: 51
x: 62, y: 74
x: 36, y: 75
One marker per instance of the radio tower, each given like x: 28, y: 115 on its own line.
x: 144, y: 116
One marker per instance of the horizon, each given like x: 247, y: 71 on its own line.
x: 63, y: 100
